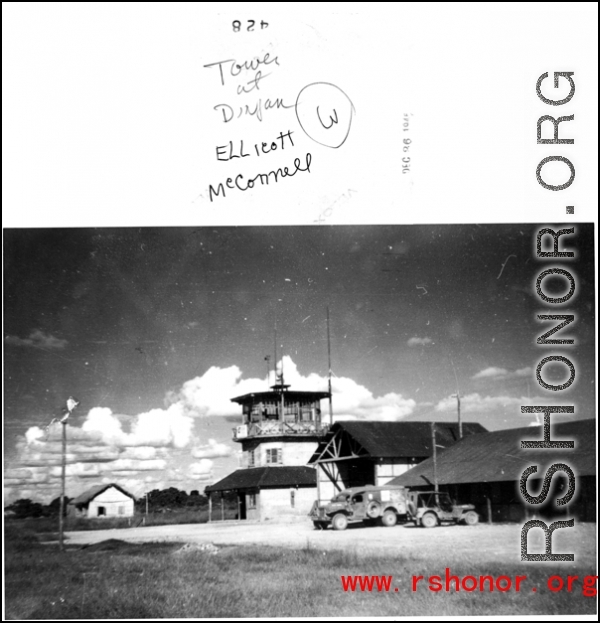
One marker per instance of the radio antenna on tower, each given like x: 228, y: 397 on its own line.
x: 329, y: 372
x: 268, y: 360
x: 275, y: 352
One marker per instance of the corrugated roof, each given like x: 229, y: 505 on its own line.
x: 263, y: 477
x: 498, y: 456
x: 399, y: 439
x: 91, y: 493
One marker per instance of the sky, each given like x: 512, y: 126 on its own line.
x: 154, y: 330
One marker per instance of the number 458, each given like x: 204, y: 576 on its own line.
x: 237, y: 25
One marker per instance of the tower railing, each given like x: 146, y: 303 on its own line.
x: 270, y: 428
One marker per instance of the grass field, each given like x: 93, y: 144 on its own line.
x: 114, y: 579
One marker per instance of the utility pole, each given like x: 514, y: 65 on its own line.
x: 435, y: 481
x: 329, y: 371
x: 71, y: 404
x: 460, y: 431
x: 457, y: 396
x: 63, y: 470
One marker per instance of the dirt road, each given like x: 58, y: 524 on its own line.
x: 497, y: 542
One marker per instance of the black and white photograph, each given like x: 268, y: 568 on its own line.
x: 301, y: 398
x: 299, y: 311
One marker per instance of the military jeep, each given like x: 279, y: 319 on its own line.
x: 429, y: 509
x: 369, y: 504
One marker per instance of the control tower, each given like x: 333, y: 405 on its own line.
x: 279, y: 432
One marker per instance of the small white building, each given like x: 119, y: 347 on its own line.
x: 108, y: 500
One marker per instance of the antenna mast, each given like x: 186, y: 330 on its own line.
x: 275, y: 352
x: 268, y: 360
x: 329, y: 372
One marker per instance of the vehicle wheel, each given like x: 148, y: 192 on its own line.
x: 471, y: 518
x: 340, y: 522
x: 320, y: 525
x: 389, y: 518
x: 429, y: 520
x: 373, y: 510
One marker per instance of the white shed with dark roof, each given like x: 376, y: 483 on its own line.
x: 109, y: 500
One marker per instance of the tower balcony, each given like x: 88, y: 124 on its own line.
x: 276, y: 428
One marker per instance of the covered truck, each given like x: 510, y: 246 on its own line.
x: 368, y: 504
x: 389, y: 504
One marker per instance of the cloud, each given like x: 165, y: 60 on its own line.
x: 157, y: 427
x: 24, y: 477
x: 79, y: 470
x: 211, y: 393
x: 132, y: 465
x: 34, y: 434
x: 174, y: 476
x: 93, y: 452
x: 350, y: 399
x: 476, y: 403
x: 502, y: 373
x: 523, y: 372
x: 49, y: 453
x: 37, y: 339
x: 74, y: 433
x: 106, y: 445
x: 491, y: 373
x: 212, y: 450
x: 102, y: 424
x: 111, y: 447
x: 160, y: 427
x: 419, y: 341
x: 201, y: 470
x: 142, y: 453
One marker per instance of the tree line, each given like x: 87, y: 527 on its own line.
x: 159, y: 500
x: 174, y: 499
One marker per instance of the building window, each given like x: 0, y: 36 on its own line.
x: 121, y: 509
x: 101, y: 511
x: 252, y: 500
x: 307, y: 414
x: 251, y: 459
x: 273, y: 456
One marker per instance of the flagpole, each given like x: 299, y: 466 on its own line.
x: 62, y: 487
x: 71, y: 404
